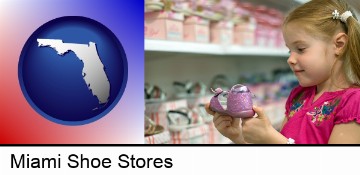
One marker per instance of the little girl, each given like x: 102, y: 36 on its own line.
x: 323, y: 37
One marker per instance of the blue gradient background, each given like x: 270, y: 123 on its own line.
x: 19, y: 123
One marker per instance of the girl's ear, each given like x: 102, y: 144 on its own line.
x: 340, y: 41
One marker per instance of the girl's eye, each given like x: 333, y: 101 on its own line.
x: 301, y: 49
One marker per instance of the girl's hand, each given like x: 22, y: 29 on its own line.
x: 257, y: 129
x: 228, y: 126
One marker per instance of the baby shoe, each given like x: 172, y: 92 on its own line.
x: 221, y: 81
x: 152, y: 5
x: 238, y: 102
x: 207, y: 118
x: 151, y: 128
x: 189, y: 89
x: 154, y: 93
x: 183, y: 118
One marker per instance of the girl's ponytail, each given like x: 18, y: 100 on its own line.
x: 352, y: 51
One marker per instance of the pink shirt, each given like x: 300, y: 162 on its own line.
x: 312, y: 122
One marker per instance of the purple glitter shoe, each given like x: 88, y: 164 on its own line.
x: 238, y: 102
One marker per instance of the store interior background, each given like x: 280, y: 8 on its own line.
x: 260, y: 66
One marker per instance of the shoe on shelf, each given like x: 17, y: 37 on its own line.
x: 154, y: 93
x: 189, y: 89
x: 221, y: 81
x: 151, y: 128
x: 183, y: 118
x: 202, y: 112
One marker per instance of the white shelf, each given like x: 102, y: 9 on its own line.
x: 301, y: 1
x: 205, y: 48
x: 181, y: 46
x: 255, y: 50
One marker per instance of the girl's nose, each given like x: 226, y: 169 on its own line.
x: 291, y: 60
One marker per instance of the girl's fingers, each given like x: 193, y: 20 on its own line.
x: 218, y: 117
x: 223, y: 124
x: 208, y: 110
x: 236, y: 122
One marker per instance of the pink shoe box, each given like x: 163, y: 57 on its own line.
x: 161, y: 138
x: 244, y: 33
x: 263, y: 26
x: 275, y: 19
x: 196, y: 135
x: 244, y: 25
x: 273, y: 38
x: 221, y: 32
x: 196, y: 29
x: 158, y: 111
x: 165, y: 25
x: 279, y: 40
x: 272, y: 34
x: 262, y: 33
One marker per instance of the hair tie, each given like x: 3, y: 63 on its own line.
x: 343, y: 17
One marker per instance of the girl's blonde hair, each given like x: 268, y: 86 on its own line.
x: 316, y: 15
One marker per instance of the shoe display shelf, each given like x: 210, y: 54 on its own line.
x: 157, y: 111
x: 162, y: 49
x: 202, y: 132
x: 209, y: 48
x: 193, y: 135
x: 161, y: 138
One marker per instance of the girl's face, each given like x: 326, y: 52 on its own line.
x: 311, y: 59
